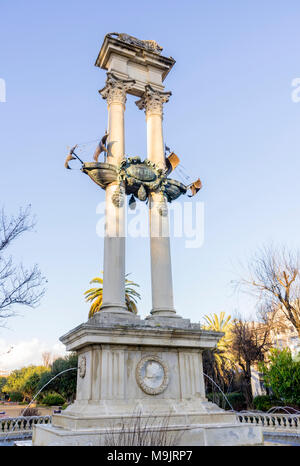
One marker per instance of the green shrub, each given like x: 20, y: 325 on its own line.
x: 282, y: 375
x: 16, y: 396
x: 66, y: 383
x: 265, y: 402
x: 218, y: 399
x: 53, y: 399
x: 236, y: 399
x: 65, y: 405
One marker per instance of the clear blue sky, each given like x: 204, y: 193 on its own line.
x: 230, y: 118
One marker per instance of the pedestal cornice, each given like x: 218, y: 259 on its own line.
x: 140, y: 333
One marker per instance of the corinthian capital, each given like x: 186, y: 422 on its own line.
x: 115, y: 89
x: 152, y: 101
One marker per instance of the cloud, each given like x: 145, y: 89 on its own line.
x: 26, y: 353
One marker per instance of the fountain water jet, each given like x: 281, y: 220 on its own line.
x: 219, y: 388
x: 35, y: 396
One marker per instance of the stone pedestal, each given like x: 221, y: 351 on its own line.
x: 142, y: 369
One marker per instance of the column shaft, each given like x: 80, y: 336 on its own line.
x: 114, y: 240
x: 161, y: 270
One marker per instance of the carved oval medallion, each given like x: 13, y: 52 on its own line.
x: 152, y: 375
x: 82, y: 366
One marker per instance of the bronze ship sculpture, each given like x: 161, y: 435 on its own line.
x: 135, y: 177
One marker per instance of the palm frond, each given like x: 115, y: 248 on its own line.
x: 95, y: 295
x: 97, y: 280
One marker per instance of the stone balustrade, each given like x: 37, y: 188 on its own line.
x: 10, y: 427
x: 21, y: 426
x: 272, y: 421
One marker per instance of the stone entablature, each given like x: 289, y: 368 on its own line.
x: 130, y: 58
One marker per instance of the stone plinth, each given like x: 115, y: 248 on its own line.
x: 141, y: 366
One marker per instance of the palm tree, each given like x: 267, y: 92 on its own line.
x: 223, y: 324
x: 218, y: 363
x: 95, y: 295
x: 218, y: 323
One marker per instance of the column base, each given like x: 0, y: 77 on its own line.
x: 113, y: 312
x: 164, y: 312
x: 168, y: 318
x: 114, y: 307
x: 175, y: 322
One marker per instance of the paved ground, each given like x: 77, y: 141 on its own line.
x: 14, y: 410
x: 28, y: 443
x: 286, y: 438
x: 273, y: 444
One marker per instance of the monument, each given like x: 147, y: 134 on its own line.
x: 127, y: 366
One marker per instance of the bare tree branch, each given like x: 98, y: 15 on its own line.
x: 250, y: 343
x: 273, y: 276
x: 13, y: 227
x: 18, y: 286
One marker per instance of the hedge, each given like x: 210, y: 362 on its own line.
x: 53, y: 399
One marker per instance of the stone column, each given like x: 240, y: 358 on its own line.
x: 161, y: 272
x: 114, y: 242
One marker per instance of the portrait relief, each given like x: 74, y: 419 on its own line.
x: 152, y: 375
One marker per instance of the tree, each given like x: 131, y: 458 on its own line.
x: 24, y: 381
x: 2, y: 383
x: 218, y: 363
x: 250, y: 343
x: 282, y: 375
x: 31, y: 383
x: 274, y: 278
x: 48, y: 358
x: 15, y: 380
x: 64, y: 384
x: 18, y: 286
x: 221, y: 323
x: 95, y: 295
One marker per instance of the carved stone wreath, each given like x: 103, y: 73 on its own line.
x: 152, y: 374
x: 82, y: 366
